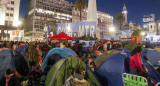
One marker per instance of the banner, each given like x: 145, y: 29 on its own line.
x: 111, y: 38
x: 125, y: 33
x: 77, y: 29
x: 17, y: 35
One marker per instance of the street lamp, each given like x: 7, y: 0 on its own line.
x: 112, y: 29
x: 142, y: 33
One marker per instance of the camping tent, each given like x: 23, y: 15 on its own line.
x: 61, y: 36
x: 59, y: 51
x: 110, y: 72
x: 86, y: 38
x: 22, y: 50
x: 13, y: 60
x: 152, y: 55
x: 102, y: 58
x: 64, y: 68
x: 70, y: 51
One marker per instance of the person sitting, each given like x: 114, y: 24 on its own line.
x: 137, y: 66
x: 12, y: 78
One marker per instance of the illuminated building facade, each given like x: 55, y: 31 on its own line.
x: 9, y: 17
x: 42, y: 11
x: 147, y: 19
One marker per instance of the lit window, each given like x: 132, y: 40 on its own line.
x: 7, y: 14
x: 12, y: 2
x: 5, y: 31
x: 0, y: 31
x: 9, y: 31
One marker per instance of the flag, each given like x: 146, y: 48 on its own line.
x: 8, y: 1
x: 49, y: 30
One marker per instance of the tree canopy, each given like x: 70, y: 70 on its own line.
x: 80, y: 5
x: 119, y: 20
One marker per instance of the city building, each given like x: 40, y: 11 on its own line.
x: 147, y: 19
x: 125, y: 13
x: 134, y: 26
x: 105, y: 21
x: 152, y: 30
x: 40, y: 12
x: 158, y: 27
x: 9, y: 17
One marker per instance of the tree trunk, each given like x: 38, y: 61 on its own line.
x: 80, y: 14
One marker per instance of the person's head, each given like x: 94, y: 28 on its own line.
x: 63, y: 44
x: 9, y: 71
x: 136, y: 50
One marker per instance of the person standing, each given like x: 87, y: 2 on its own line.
x: 95, y: 46
x: 33, y: 56
x: 105, y: 47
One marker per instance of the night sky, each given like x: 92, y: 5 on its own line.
x: 136, y: 8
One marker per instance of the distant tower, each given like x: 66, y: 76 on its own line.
x: 92, y: 11
x: 125, y: 12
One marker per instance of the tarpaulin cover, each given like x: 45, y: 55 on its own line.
x: 22, y: 50
x: 64, y: 68
x: 154, y: 75
x: 59, y: 51
x: 152, y: 55
x: 110, y: 72
x: 13, y: 60
x: 70, y: 52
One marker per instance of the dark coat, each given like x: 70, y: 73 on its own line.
x: 14, y: 81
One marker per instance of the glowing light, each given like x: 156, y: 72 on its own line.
x: 142, y: 33
x: 111, y: 29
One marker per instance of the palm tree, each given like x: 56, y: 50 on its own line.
x: 80, y: 5
x: 119, y: 20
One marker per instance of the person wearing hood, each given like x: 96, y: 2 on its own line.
x: 12, y: 78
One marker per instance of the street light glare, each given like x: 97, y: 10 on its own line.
x: 142, y: 33
x: 111, y: 29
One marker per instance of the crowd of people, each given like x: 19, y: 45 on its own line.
x: 37, y: 50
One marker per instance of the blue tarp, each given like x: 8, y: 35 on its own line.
x: 70, y: 51
x: 22, y: 50
x: 111, y: 70
x: 152, y: 55
x: 59, y: 51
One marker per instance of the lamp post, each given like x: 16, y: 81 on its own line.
x: 112, y: 30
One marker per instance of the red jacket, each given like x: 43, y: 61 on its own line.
x: 136, y: 62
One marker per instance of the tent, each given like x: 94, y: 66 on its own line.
x: 22, y: 50
x: 13, y: 60
x: 59, y: 51
x: 152, y: 55
x: 70, y: 52
x: 86, y: 38
x: 61, y: 36
x: 111, y: 70
x: 102, y: 58
x: 154, y: 75
x: 64, y: 68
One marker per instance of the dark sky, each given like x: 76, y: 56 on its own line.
x: 136, y: 8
